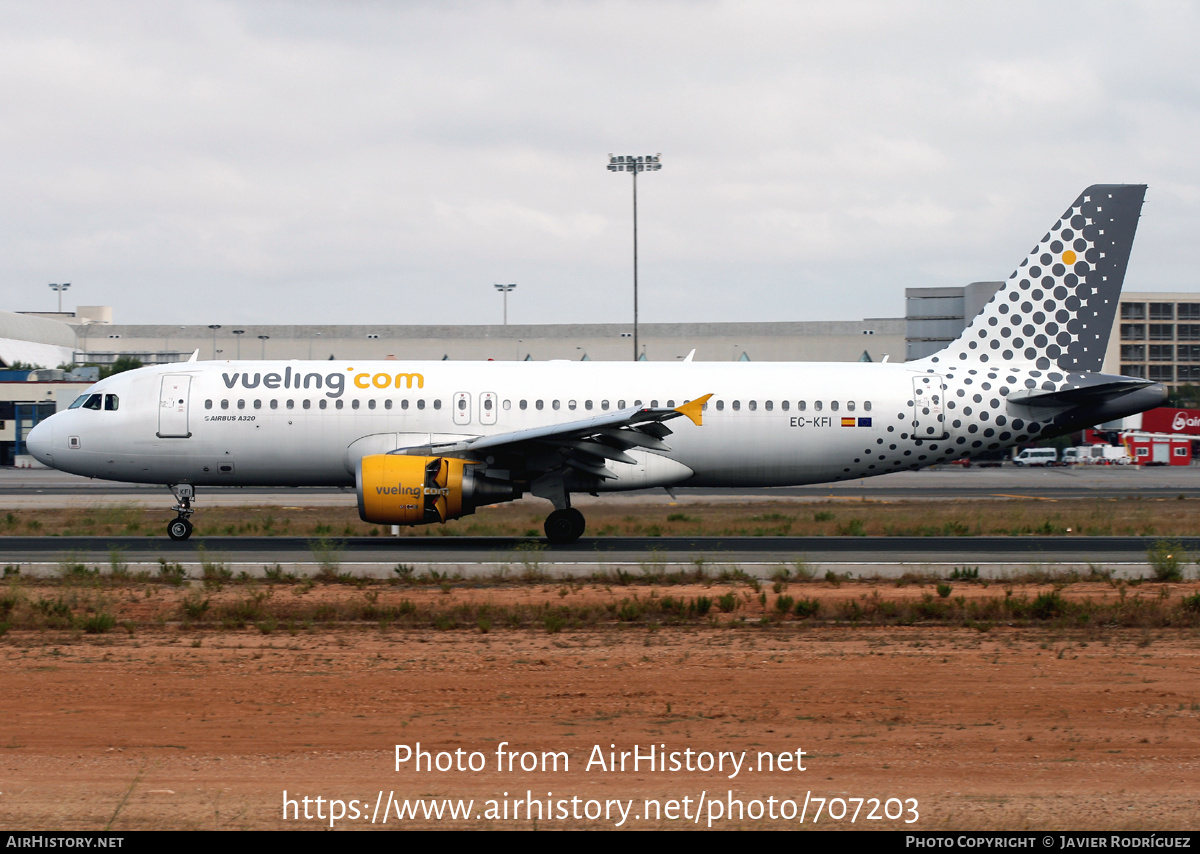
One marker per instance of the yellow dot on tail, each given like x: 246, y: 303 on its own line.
x: 1069, y: 257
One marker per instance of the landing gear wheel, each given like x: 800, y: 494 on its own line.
x: 179, y: 529
x: 564, y: 526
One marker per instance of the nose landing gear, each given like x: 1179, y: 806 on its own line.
x: 180, y: 528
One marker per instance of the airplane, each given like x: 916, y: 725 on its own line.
x: 427, y: 442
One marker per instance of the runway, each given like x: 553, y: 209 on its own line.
x: 468, y: 557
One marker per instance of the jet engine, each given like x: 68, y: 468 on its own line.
x: 394, y: 489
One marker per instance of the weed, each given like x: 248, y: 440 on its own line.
x: 99, y: 623
x: 807, y: 607
x: 171, y: 573
x: 1167, y: 558
x: 328, y: 555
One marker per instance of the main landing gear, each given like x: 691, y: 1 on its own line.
x: 564, y: 526
x: 180, y: 528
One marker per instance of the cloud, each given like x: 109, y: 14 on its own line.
x: 334, y: 162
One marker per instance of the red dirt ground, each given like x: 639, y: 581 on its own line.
x: 1003, y: 729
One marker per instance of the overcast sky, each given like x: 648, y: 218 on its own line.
x: 360, y: 162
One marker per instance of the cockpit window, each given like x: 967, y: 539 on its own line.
x: 111, y: 403
x: 78, y: 402
x: 94, y: 401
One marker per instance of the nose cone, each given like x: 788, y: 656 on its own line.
x: 40, y: 442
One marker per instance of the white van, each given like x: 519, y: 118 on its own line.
x: 1037, y: 457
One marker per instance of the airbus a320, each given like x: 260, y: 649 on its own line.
x: 427, y: 442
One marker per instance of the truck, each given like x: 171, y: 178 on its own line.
x: 1096, y: 455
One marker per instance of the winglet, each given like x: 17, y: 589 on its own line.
x: 195, y: 356
x: 693, y: 409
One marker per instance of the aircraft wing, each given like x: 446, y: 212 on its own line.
x: 584, y: 445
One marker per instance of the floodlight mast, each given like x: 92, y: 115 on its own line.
x: 635, y: 164
x: 59, y: 290
x: 506, y: 289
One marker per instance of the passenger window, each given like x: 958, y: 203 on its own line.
x: 404, y: 403
x: 587, y: 404
x: 387, y: 404
x: 833, y: 406
x: 224, y: 404
x: 523, y: 405
x: 241, y: 404
x: 338, y: 404
x: 370, y: 403
x: 487, y: 404
x: 604, y: 404
x: 207, y: 404
x: 783, y: 404
x: 654, y: 404
x: 354, y: 404
x: 257, y: 404
x: 307, y: 404
x: 462, y: 404
x: 620, y: 404
x: 437, y: 404
x: 720, y: 406
x: 324, y: 404
x: 753, y: 405
x: 571, y: 405
x: 849, y: 405
x: 638, y: 404
x: 507, y: 405
x: 670, y: 404
x: 801, y: 406
x: 817, y: 405
x: 553, y: 405
x: 737, y: 405
x: 291, y: 404
x: 867, y: 405
x: 274, y: 404
x: 538, y: 405
x: 769, y: 405
x: 421, y: 403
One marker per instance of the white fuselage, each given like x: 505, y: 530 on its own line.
x: 307, y: 423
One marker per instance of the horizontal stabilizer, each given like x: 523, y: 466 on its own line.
x: 1080, y: 395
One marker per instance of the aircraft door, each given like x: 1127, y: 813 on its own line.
x: 173, y: 407
x: 487, y: 407
x: 462, y: 407
x: 929, y: 407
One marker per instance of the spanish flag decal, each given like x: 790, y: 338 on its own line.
x: 848, y: 422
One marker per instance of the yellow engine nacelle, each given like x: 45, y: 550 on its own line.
x: 400, y: 490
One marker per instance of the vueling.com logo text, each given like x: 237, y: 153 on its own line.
x: 412, y: 490
x: 334, y: 382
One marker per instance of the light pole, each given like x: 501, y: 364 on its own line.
x: 263, y: 339
x: 214, y: 327
x: 634, y: 165
x: 59, y: 289
x: 504, y: 289
x: 239, y: 333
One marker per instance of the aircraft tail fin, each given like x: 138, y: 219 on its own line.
x: 1058, y: 307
